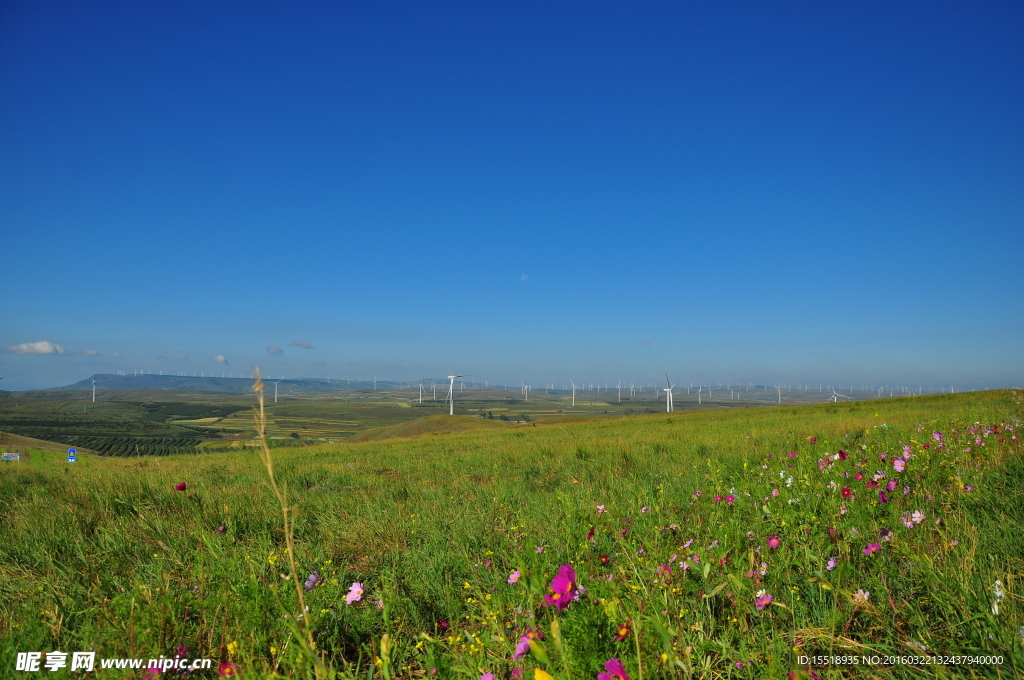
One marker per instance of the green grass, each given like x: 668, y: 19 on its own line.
x: 105, y: 555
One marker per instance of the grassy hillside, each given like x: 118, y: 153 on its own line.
x: 674, y: 583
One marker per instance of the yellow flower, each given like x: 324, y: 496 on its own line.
x: 539, y: 674
x: 233, y: 647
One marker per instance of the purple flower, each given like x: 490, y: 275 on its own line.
x: 900, y: 465
x: 522, y: 647
x: 883, y: 497
x: 487, y: 676
x: 831, y: 563
x: 774, y: 542
x: 514, y: 577
x: 872, y: 548
x: 890, y: 485
x: 221, y: 529
x: 614, y: 670
x: 763, y: 599
x: 313, y: 581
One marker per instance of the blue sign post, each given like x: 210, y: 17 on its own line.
x: 71, y: 455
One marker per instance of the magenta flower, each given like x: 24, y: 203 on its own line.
x: 774, y: 542
x: 614, y: 670
x: 517, y: 673
x: 883, y: 497
x: 718, y: 498
x: 891, y: 485
x: 522, y: 647
x: 859, y: 476
x: 563, y: 588
x: 487, y: 676
x: 221, y: 529
x: 872, y: 548
x: 763, y: 599
x: 729, y: 499
x: 664, y: 570
x: 180, y: 487
x: 540, y: 548
x: 514, y: 577
x: 846, y: 492
x: 590, y: 534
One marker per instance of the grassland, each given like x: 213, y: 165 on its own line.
x: 107, y: 555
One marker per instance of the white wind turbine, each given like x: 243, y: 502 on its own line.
x: 451, y: 388
x: 669, y: 406
x: 94, y: 391
x: 835, y: 397
x: 573, y: 392
x: 275, y: 388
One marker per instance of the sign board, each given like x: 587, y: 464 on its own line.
x: 11, y: 456
x: 71, y: 455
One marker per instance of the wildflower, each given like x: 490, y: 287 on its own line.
x: 843, y: 455
x: 226, y: 670
x: 775, y: 492
x: 937, y: 436
x: 789, y: 481
x: 900, y: 465
x: 487, y: 676
x: 697, y: 494
x: 688, y: 544
x: 831, y: 563
x: 859, y: 476
x: 918, y: 517
x: 514, y: 577
x: 664, y: 570
x: 522, y: 647
x: 729, y: 499
x: 355, y: 593
x: 872, y: 548
x: 890, y: 485
x: 883, y: 497
x: 968, y: 488
x: 601, y: 510
x: 540, y: 674
x: 563, y: 588
x: 540, y: 549
x: 614, y: 670
x: 644, y: 509
x: 774, y: 542
x: 233, y: 647
x: 180, y: 487
x: 842, y: 509
x: 641, y: 551
x: 763, y: 599
x: 718, y: 498
x: 906, y: 490
x: 846, y: 492
x: 517, y: 673
x: 750, y: 535
x: 861, y: 596
x: 313, y: 581
x: 885, y: 534
x: 443, y: 624
x: 604, y: 559
x: 624, y: 629
x: 590, y: 534
x: 764, y: 568
x: 221, y: 529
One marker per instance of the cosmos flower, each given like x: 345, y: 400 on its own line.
x: 614, y: 670
x: 883, y: 497
x: 846, y: 492
x: 917, y: 517
x: 514, y: 577
x: 872, y: 548
x: 522, y: 647
x: 180, y: 487
x: 763, y: 599
x: 775, y: 492
x: 601, y: 510
x: 221, y: 529
x: 729, y: 499
x: 861, y: 596
x: 590, y: 534
x: 563, y: 588
x: 774, y: 542
x: 831, y: 563
x: 487, y: 676
x: 355, y: 593
x: 226, y: 670
x: 604, y: 559
x: 890, y: 485
x: 624, y: 629
x: 900, y: 465
x: 313, y: 581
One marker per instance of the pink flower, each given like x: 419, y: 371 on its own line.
x: 540, y: 548
x: 180, y: 487
x: 831, y: 563
x: 859, y: 476
x: 226, y: 670
x: 355, y: 593
x: 664, y: 570
x: 729, y: 499
x: 763, y: 599
x: 872, y: 548
x: 891, y: 485
x: 517, y: 673
x: 514, y: 577
x: 900, y: 465
x: 774, y: 542
x: 563, y: 588
x: 846, y: 492
x: 775, y: 492
x: 601, y: 510
x: 487, y: 676
x: 718, y: 498
x: 522, y: 647
x: 614, y: 670
x: 644, y: 509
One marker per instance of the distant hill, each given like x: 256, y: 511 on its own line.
x: 428, y: 425
x: 107, y: 381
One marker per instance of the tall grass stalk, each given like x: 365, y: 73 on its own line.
x: 303, y: 631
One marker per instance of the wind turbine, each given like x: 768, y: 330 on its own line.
x: 94, y: 390
x: 668, y: 395
x: 835, y: 397
x: 275, y: 389
x: 573, y: 392
x: 451, y: 388
x: 421, y: 391
x: 699, y: 390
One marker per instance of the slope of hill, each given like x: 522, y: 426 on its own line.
x: 430, y: 425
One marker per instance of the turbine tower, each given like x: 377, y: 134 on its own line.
x: 94, y: 390
x: 669, y: 406
x: 275, y: 388
x: 835, y: 397
x: 573, y: 392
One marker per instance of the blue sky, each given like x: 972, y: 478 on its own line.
x: 800, y: 193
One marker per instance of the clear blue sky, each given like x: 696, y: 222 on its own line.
x: 535, y: 192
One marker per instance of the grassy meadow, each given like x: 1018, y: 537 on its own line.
x: 700, y: 544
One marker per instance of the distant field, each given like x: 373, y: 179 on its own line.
x: 724, y: 545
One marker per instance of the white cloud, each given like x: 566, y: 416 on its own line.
x: 274, y: 349
x: 41, y: 347
x: 303, y: 344
x: 184, y: 356
x: 91, y: 353
x: 221, y: 360
x: 116, y: 355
